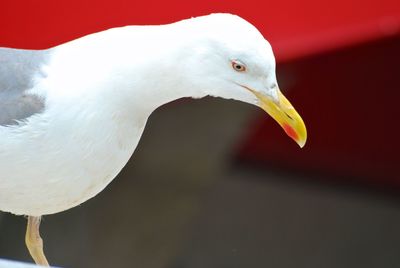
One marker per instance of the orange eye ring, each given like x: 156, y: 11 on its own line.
x: 238, y: 66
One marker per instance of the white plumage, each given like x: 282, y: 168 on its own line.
x: 99, y: 90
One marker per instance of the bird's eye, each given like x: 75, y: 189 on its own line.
x: 238, y: 66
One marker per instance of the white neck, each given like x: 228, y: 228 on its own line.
x: 136, y: 68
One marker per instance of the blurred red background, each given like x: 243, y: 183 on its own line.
x: 295, y: 28
x: 338, y: 60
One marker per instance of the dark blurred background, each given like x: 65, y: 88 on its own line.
x: 216, y: 183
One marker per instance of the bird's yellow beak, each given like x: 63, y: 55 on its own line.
x: 286, y: 116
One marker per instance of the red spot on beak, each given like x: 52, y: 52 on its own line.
x: 290, y: 132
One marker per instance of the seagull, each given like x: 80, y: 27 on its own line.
x: 72, y: 115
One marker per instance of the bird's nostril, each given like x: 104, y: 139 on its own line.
x: 291, y: 118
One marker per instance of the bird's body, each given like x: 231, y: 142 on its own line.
x: 71, y: 116
x: 57, y: 159
x: 92, y: 120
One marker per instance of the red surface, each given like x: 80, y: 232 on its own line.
x: 349, y: 101
x: 295, y: 28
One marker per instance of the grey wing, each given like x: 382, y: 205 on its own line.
x: 18, y: 70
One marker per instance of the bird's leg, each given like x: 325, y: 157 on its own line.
x: 34, y: 242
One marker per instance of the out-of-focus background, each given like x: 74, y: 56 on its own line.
x: 216, y: 183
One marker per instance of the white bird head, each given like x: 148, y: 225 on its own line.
x: 231, y: 59
x: 220, y: 55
